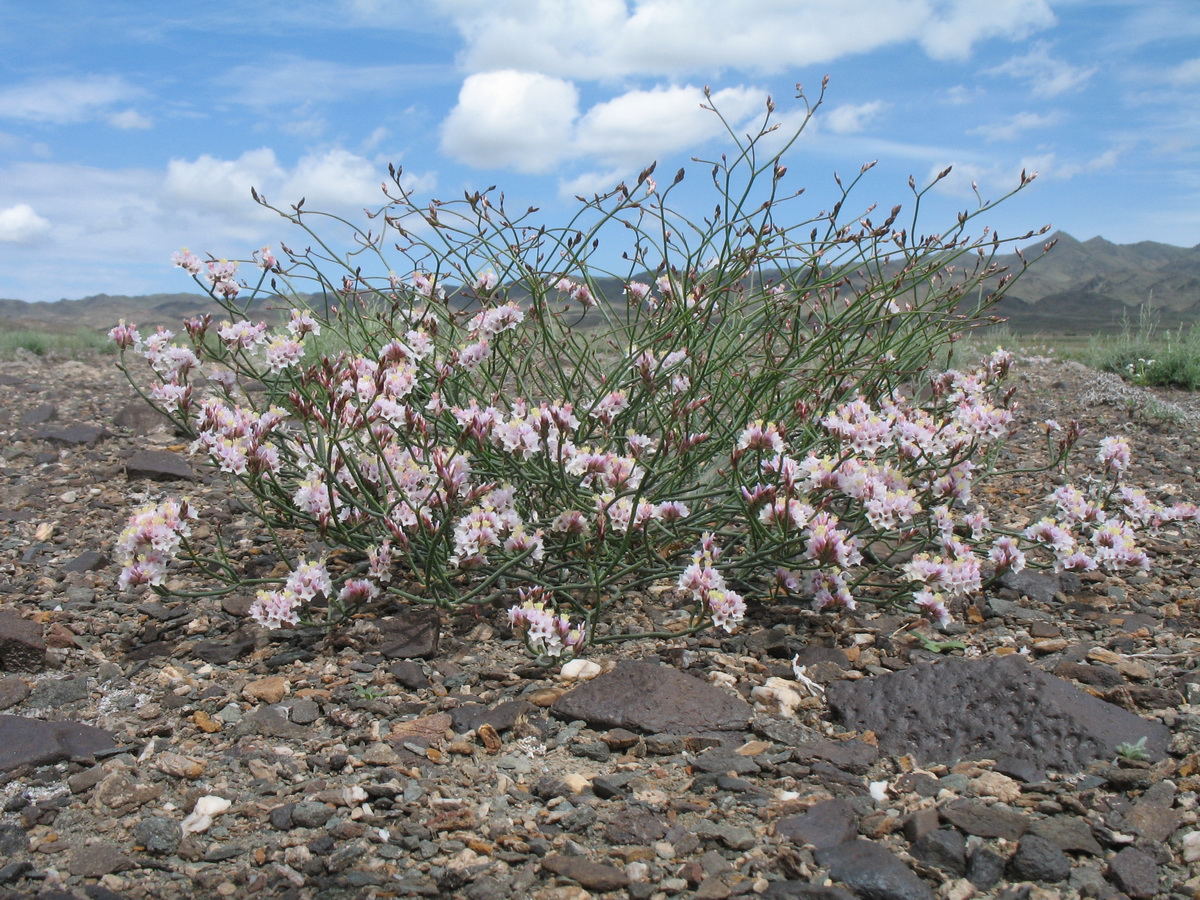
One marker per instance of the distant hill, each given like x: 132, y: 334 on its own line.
x: 1081, y: 286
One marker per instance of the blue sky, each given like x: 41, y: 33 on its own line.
x: 131, y: 129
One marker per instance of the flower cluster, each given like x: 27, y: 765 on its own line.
x: 151, y: 540
x: 544, y: 631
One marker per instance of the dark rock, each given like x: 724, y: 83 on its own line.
x: 415, y: 634
x: 985, y: 868
x: 1038, y: 859
x: 72, y: 435
x: 40, y: 414
x: 634, y: 826
x: 721, y: 760
x: 94, y: 860
x: 158, y: 465
x: 269, y: 722
x: 653, y: 698
x: 142, y: 418
x: 303, y: 710
x: 13, y: 841
x: 34, y: 742
x: 12, y: 691
x: 14, y: 870
x: 22, y: 648
x: 281, y: 817
x: 732, y: 836
x: 827, y: 824
x: 87, y: 561
x: 1020, y: 768
x: 943, y: 848
x: 1134, y: 872
x: 1098, y: 675
x: 976, y: 818
x: 921, y: 822
x: 1151, y: 822
x: 502, y: 717
x: 1041, y: 587
x: 871, y: 871
x: 311, y: 814
x: 409, y: 674
x: 850, y: 756
x: 58, y: 692
x: 158, y: 834
x: 803, y: 890
x: 221, y: 652
x: 592, y: 875
x: 1016, y: 709
x: 1068, y: 833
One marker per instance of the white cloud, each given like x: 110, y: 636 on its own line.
x: 511, y: 119
x: 1015, y: 126
x: 850, y: 118
x: 129, y: 119
x: 1186, y: 73
x: 20, y: 224
x: 333, y: 180
x: 63, y: 101
x: 638, y: 126
x: 1045, y: 75
x: 222, y: 184
x: 291, y: 81
x: 605, y: 39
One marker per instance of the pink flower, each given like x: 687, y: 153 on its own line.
x: 187, y: 261
x: 274, y: 609
x: 125, y: 336
x: 1114, y: 455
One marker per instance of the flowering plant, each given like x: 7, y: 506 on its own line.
x: 750, y: 407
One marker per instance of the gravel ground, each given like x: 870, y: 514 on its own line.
x: 396, y: 759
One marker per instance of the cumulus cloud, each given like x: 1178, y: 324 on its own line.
x: 64, y: 101
x: 851, y: 118
x: 1045, y: 75
x: 604, y: 39
x: 511, y: 119
x: 333, y: 180
x: 21, y: 225
x: 638, y: 126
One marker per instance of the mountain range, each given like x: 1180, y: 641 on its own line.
x: 1079, y: 286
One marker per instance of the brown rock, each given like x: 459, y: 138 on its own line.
x: 268, y: 690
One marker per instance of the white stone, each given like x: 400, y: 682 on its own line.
x: 777, y: 695
x: 579, y: 670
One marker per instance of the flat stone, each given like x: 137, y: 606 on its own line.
x: 142, y: 418
x: 158, y: 834
x: 1069, y: 833
x: 502, y: 717
x: 34, y: 742
x: 872, y: 871
x: 158, y: 465
x: 40, y: 414
x: 221, y: 652
x: 1151, y: 822
x: 1016, y: 709
x: 94, y: 860
x: 985, y: 868
x: 973, y: 817
x: 849, y: 756
x: 592, y: 875
x: 409, y: 674
x: 415, y: 634
x: 1134, y: 872
x: 72, y: 435
x: 87, y: 561
x: 943, y: 848
x: 12, y: 691
x: 1040, y: 587
x: 22, y: 648
x: 57, y: 692
x: 269, y: 722
x: 1038, y: 859
x: 653, y: 698
x: 827, y: 824
x: 633, y: 826
x: 803, y: 890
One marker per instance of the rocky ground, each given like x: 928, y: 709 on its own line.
x: 173, y: 749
